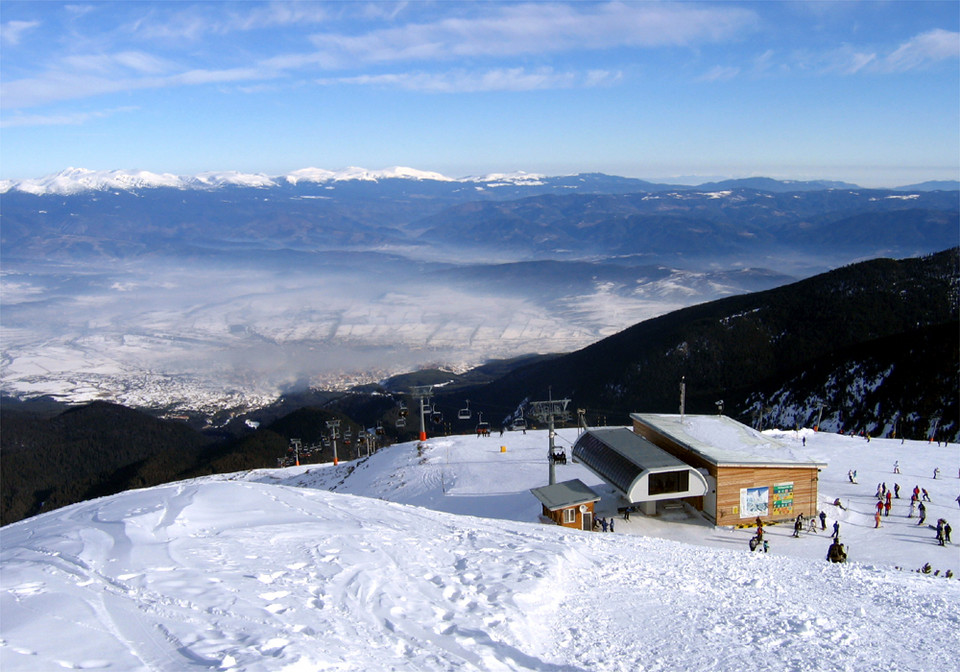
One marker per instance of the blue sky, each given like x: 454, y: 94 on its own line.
x: 867, y: 92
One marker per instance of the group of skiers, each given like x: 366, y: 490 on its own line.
x: 606, y: 525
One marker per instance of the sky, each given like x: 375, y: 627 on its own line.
x: 867, y: 92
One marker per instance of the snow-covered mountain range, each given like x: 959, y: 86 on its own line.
x: 433, y: 559
x: 154, y: 289
x: 77, y: 180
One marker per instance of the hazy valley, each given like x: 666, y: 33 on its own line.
x: 226, y: 291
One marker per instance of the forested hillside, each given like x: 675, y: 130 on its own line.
x: 743, y: 350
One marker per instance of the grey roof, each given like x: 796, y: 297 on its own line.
x: 566, y: 494
x: 620, y: 457
x: 725, y: 442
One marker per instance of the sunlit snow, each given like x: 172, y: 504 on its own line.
x: 433, y: 559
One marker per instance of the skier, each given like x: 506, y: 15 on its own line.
x: 923, y: 514
x: 798, y: 525
x: 850, y: 475
x: 823, y: 519
x: 936, y: 473
x: 754, y: 542
x: 946, y: 531
x: 913, y: 508
x: 886, y: 508
x: 876, y: 520
x: 611, y: 523
x: 836, y: 529
x: 940, y: 532
x: 926, y: 495
x: 896, y: 467
x: 896, y: 490
x: 603, y: 524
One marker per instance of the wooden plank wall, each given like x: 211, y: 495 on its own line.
x: 731, y: 480
x: 557, y: 516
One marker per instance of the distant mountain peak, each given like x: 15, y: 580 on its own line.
x: 77, y: 180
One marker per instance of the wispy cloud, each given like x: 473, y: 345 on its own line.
x: 497, y: 79
x: 62, y: 119
x: 720, y: 73
x: 195, y: 21
x: 541, y: 28
x: 12, y: 31
x: 924, y: 49
x: 919, y: 52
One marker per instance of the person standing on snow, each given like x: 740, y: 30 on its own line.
x: 958, y: 499
x: 896, y: 490
x: 876, y: 520
x: 923, y: 514
x: 836, y: 529
x: 823, y: 519
x: 926, y: 495
x: 836, y: 553
x: 611, y: 523
x: 798, y: 525
x: 896, y: 467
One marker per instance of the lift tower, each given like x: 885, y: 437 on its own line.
x: 548, y: 412
x: 422, y: 393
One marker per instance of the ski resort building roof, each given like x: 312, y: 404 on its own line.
x: 566, y: 494
x: 637, y: 468
x: 722, y: 441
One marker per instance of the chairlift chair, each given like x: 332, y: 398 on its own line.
x: 401, y: 422
x: 436, y: 417
x: 464, y: 413
x: 519, y: 423
x: 403, y: 409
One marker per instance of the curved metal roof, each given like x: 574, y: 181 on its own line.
x: 623, y: 459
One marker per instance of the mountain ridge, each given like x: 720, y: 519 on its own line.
x: 77, y: 180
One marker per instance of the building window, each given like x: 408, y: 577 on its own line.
x: 569, y: 516
x: 669, y: 481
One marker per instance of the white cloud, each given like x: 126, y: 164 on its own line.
x: 497, y: 79
x: 930, y: 47
x: 195, y: 21
x: 720, y: 73
x: 12, y: 31
x: 64, y: 119
x: 541, y: 28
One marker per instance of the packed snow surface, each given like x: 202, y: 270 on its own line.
x: 433, y: 558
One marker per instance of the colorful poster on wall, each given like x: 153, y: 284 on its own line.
x: 783, y: 499
x: 754, y: 502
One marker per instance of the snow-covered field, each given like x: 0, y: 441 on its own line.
x: 435, y: 560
